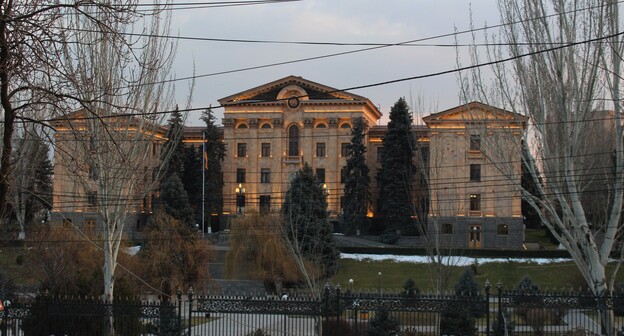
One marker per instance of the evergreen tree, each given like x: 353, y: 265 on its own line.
x: 383, y: 325
x: 41, y: 191
x: 174, y: 200
x: 395, y: 177
x: 467, y: 286
x: 173, y: 149
x: 173, y: 197
x: 468, y: 290
x: 33, y: 192
x: 409, y: 289
x: 192, y: 178
x: 305, y: 216
x: 356, y: 191
x: 213, y: 156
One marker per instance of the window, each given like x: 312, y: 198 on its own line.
x: 266, y: 149
x: 343, y: 175
x: 265, y: 175
x: 241, y: 149
x: 502, y: 229
x: 265, y: 126
x: 242, y: 126
x: 344, y: 149
x: 475, y: 202
x: 321, y: 125
x: 240, y: 175
x: 265, y: 204
x: 90, y: 225
x: 93, y: 172
x: 320, y: 149
x: 475, y: 172
x: 446, y: 228
x: 293, y: 140
x: 320, y: 174
x: 475, y: 142
x: 345, y: 125
x: 92, y: 198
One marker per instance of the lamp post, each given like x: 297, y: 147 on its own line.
x: 240, y: 199
x: 351, y: 285
x: 379, y: 282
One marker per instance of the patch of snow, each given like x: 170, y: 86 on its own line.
x: 133, y: 250
x: 449, y: 260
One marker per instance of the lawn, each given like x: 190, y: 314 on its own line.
x: 554, y: 276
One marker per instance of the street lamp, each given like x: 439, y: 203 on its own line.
x: 240, y: 199
x: 379, y: 282
x: 351, y: 285
x: 325, y: 190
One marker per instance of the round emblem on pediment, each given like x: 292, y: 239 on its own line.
x: 293, y: 102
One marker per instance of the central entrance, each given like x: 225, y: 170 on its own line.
x: 474, y: 236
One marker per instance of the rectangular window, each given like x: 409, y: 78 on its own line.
x: 266, y: 149
x: 380, y: 151
x: 320, y: 149
x: 265, y: 175
x: 502, y: 229
x: 446, y: 228
x: 475, y: 142
x: 93, y: 172
x: 241, y: 150
x: 475, y: 172
x: 240, y: 175
x: 92, y: 198
x: 344, y: 149
x: 475, y: 202
x: 265, y: 204
x: 343, y: 175
x: 320, y: 174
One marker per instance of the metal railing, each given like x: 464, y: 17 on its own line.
x: 333, y: 313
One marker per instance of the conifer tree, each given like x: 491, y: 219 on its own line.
x: 356, y: 192
x: 394, y: 179
x: 212, y: 157
x: 192, y: 178
x: 173, y: 197
x: 306, y: 225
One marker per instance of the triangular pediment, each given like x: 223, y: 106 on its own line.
x: 474, y: 112
x: 270, y: 92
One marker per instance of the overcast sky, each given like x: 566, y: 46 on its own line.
x: 344, y: 21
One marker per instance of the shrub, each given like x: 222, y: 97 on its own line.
x: 409, y: 289
x: 457, y: 323
x: 383, y: 325
x: 259, y: 332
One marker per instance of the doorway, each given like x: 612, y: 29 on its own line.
x: 474, y: 236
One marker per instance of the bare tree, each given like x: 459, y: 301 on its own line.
x: 110, y: 149
x: 565, y: 65
x: 30, y: 193
x: 34, y: 75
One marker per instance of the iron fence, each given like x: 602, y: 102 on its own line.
x: 333, y: 313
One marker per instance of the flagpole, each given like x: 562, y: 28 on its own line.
x: 203, y: 180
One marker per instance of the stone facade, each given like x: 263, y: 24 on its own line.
x: 468, y: 160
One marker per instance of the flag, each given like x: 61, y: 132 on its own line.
x: 205, y: 152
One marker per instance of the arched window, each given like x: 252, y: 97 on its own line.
x: 242, y: 126
x: 321, y: 125
x: 345, y: 125
x: 293, y: 140
x: 266, y: 125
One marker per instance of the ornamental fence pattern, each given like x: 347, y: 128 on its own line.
x: 334, y: 313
